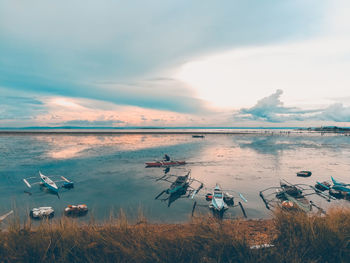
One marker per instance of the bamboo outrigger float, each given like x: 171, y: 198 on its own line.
x: 3, y: 217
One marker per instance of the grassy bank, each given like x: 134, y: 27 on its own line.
x: 296, y: 238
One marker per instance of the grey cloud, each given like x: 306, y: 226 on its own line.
x: 87, y: 123
x: 62, y: 49
x: 19, y: 107
x: 271, y: 109
x: 336, y: 112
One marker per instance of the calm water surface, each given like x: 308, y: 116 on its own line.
x: 109, y: 171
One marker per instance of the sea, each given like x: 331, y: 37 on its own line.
x: 108, y: 169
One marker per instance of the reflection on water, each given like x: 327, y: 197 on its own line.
x: 109, y: 171
x: 64, y: 147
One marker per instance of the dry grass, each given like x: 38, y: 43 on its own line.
x: 297, y: 238
x: 301, y: 238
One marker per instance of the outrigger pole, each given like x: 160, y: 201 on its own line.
x: 265, y: 202
x: 240, y: 204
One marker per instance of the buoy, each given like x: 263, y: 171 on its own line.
x: 287, y: 204
x: 209, y: 196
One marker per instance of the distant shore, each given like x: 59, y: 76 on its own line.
x: 111, y: 131
x: 102, y: 132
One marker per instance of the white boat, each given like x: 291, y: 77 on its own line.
x: 217, y: 203
x: 42, y: 212
x: 48, y: 183
x: 220, y: 201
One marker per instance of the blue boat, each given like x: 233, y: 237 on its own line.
x: 340, y: 186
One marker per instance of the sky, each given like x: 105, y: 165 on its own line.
x: 174, y: 63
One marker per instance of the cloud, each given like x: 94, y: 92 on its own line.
x: 19, y: 108
x: 87, y: 123
x: 336, y: 112
x: 271, y: 109
x: 74, y: 50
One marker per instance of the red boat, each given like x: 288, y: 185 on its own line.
x: 165, y: 163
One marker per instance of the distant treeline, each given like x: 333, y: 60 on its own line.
x: 327, y: 129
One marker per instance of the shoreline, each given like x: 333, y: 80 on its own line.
x: 156, y: 131
x: 288, y: 237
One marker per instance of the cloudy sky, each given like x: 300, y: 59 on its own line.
x: 174, y: 63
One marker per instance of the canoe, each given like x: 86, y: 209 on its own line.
x: 48, y: 183
x: 165, y: 163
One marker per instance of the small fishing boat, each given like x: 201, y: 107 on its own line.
x: 76, y: 210
x: 220, y: 201
x: 304, y: 173
x: 179, y: 184
x: 182, y: 187
x: 294, y: 194
x: 165, y: 163
x: 340, y: 186
x: 291, y: 197
x: 48, y: 183
x: 197, y: 136
x: 42, y: 212
x: 217, y: 202
x: 323, y: 186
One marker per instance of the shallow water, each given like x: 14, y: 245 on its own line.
x: 109, y: 171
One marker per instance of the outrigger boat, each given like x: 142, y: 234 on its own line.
x: 340, y: 186
x: 49, y: 183
x: 165, y: 163
x: 220, y: 201
x: 338, y: 190
x: 180, y: 188
x: 291, y: 197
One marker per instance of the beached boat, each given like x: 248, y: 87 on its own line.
x: 340, y: 186
x: 220, y: 200
x: 165, y: 163
x: 42, y: 212
x: 76, y: 210
x: 217, y: 202
x: 291, y: 196
x: 292, y: 193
